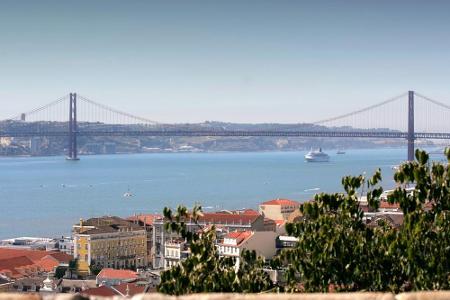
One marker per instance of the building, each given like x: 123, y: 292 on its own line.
x: 278, y: 209
x: 65, y: 245
x: 109, y: 276
x: 262, y: 242
x: 31, y: 243
x: 109, y: 242
x: 123, y: 290
x: 175, y: 251
x: 285, y: 241
x: 245, y: 220
x: 74, y: 285
x: 5, y: 284
x: 146, y: 222
x: 23, y: 263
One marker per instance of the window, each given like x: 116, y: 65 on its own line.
x: 86, y: 257
x: 86, y: 246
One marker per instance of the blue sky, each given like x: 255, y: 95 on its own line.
x: 240, y: 61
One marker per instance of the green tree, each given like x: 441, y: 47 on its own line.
x: 204, y: 270
x: 60, y: 272
x: 95, y: 268
x: 337, y: 250
x: 73, y: 267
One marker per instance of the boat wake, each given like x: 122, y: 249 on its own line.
x: 311, y: 190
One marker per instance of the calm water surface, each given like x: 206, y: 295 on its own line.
x: 44, y: 196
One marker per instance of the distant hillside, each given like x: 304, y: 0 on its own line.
x: 100, y: 145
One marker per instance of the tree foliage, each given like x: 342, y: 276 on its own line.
x: 204, y: 270
x: 337, y: 250
x: 95, y: 268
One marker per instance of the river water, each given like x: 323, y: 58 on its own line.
x: 44, y: 196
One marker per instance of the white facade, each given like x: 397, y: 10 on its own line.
x: 66, y: 245
x: 262, y: 242
x: 174, y: 252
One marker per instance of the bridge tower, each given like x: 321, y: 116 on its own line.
x: 72, y: 155
x: 411, y: 135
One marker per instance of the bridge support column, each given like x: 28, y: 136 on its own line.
x: 72, y: 155
x: 411, y: 135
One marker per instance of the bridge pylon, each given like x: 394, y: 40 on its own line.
x: 73, y: 152
x: 411, y: 134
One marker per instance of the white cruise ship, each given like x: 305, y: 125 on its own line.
x: 317, y: 156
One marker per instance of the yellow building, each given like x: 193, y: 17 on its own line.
x: 278, y: 209
x: 109, y: 242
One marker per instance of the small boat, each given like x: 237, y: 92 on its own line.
x: 127, y: 194
x: 317, y: 156
x: 72, y: 158
x: 312, y: 190
x: 340, y: 152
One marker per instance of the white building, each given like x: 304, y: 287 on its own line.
x: 262, y: 242
x: 174, y: 252
x: 65, y: 245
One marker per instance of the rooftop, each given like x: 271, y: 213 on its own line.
x: 106, y: 224
x: 146, y: 219
x: 117, y: 274
x: 18, y: 261
x: 224, y: 218
x: 281, y: 202
x: 239, y: 236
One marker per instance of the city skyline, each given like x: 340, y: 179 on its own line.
x: 256, y: 61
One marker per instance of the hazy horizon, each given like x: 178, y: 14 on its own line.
x: 230, y: 61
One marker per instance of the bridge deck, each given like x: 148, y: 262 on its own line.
x: 229, y: 133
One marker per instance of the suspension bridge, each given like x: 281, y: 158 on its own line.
x: 408, y: 116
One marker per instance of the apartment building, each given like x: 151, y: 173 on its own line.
x: 262, y: 242
x: 109, y: 242
x: 146, y: 222
x: 278, y: 209
x: 244, y: 220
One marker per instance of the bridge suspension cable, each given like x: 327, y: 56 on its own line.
x: 39, y: 109
x: 390, y: 100
x: 433, y: 101
x: 116, y: 111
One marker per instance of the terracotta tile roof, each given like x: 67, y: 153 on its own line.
x: 239, y: 236
x: 18, y: 266
x: 21, y: 261
x: 117, y: 274
x: 146, y: 219
x: 103, y: 291
x: 47, y: 264
x: 223, y: 218
x: 280, y: 222
x: 281, y: 202
x: 249, y: 212
x: 61, y: 257
x: 34, y: 255
x: 125, y: 288
x: 133, y: 289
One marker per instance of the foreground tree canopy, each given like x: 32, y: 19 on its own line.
x: 204, y: 270
x: 337, y: 250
